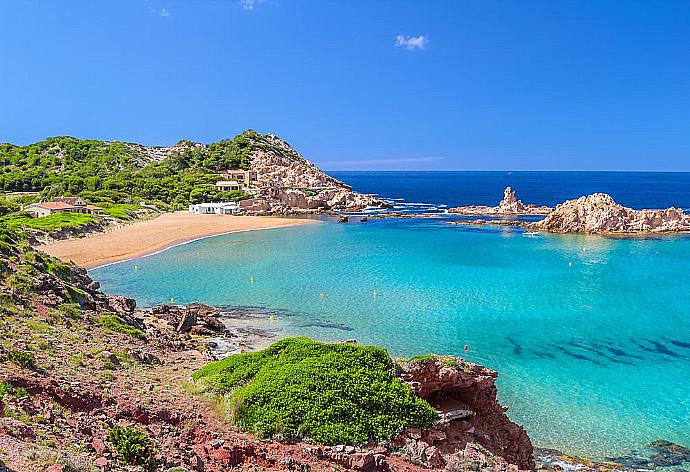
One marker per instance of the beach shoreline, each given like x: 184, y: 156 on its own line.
x: 157, y: 235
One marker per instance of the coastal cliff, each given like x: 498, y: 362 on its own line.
x: 287, y: 183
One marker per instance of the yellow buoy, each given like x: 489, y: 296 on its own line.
x: 322, y: 294
x: 272, y: 317
x: 251, y: 279
x: 136, y: 267
x: 570, y: 264
x: 374, y: 294
x: 172, y: 300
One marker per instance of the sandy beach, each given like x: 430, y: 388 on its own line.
x: 147, y: 237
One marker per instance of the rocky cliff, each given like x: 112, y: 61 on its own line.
x: 286, y: 182
x: 599, y: 213
x: 473, y: 426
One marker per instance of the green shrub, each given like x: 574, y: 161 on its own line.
x: 7, y: 388
x: 132, y: 445
x: 22, y: 282
x: 114, y: 323
x: 423, y: 357
x: 22, y: 359
x: 330, y: 393
x: 70, y: 310
x: 59, y: 221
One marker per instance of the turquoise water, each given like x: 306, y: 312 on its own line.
x: 590, y: 335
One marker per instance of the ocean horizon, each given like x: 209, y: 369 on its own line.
x: 590, y: 334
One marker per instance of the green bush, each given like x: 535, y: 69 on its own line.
x: 70, y: 310
x: 114, y: 323
x: 330, y: 393
x: 7, y: 388
x: 50, y: 223
x: 22, y: 359
x: 132, y: 445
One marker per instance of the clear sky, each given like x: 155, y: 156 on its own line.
x: 553, y: 84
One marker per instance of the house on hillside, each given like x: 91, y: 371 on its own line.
x: 244, y: 177
x: 62, y: 205
x: 228, y: 185
x: 223, y: 208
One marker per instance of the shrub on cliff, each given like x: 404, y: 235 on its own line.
x: 329, y: 393
x: 132, y: 446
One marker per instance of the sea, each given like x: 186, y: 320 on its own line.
x: 590, y: 334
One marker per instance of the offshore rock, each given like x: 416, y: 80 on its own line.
x: 464, y: 394
x: 599, y: 213
x: 508, y: 206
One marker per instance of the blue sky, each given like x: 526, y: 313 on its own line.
x: 457, y: 85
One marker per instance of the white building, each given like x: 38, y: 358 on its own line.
x: 223, y: 208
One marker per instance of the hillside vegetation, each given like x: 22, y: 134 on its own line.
x: 118, y: 172
x: 330, y: 393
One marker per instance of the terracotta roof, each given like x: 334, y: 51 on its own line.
x: 93, y: 207
x: 54, y: 205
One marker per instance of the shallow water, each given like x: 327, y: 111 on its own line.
x: 591, y: 335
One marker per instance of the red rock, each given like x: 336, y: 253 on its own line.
x: 98, y: 445
x: 454, y: 390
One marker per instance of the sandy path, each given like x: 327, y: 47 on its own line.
x: 147, y: 237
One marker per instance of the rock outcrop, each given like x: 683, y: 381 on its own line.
x: 471, y: 421
x: 509, y: 206
x: 287, y: 183
x: 599, y: 213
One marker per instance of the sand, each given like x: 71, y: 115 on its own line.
x: 148, y: 237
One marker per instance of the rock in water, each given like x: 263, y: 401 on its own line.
x: 509, y: 206
x: 599, y: 213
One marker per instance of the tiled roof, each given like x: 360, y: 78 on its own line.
x: 54, y: 205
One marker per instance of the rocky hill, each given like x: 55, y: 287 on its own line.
x: 176, y: 176
x: 288, y: 183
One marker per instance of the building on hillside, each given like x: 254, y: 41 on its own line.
x: 228, y: 185
x: 244, y: 177
x: 74, y: 201
x: 222, y: 208
x: 62, y: 205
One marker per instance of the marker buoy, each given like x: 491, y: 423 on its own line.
x: 467, y: 348
x: 251, y: 279
x: 136, y: 267
x: 374, y: 294
x: 570, y: 264
x: 322, y: 294
x: 172, y: 300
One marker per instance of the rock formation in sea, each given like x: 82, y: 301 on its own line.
x: 508, y: 206
x: 599, y: 213
x: 473, y: 426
